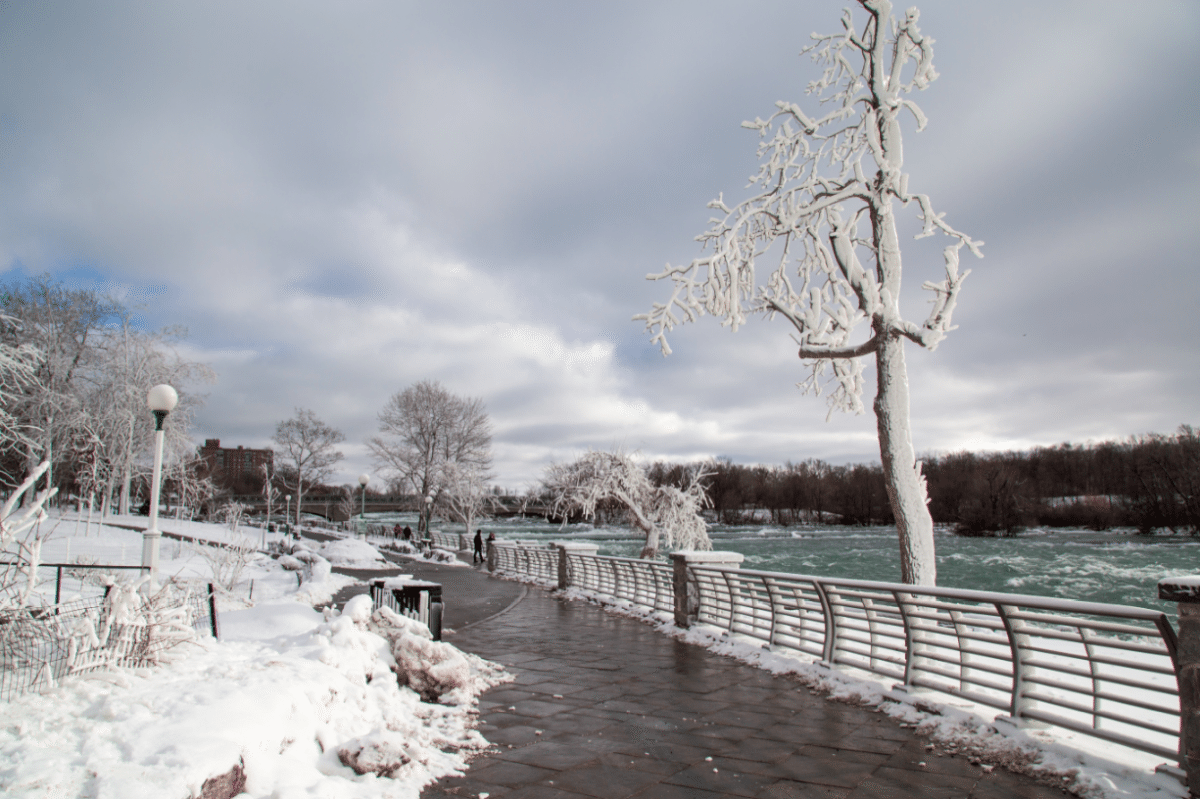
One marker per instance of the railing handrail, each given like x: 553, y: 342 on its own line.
x: 992, y: 597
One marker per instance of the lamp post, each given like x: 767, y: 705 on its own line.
x: 428, y: 514
x: 162, y: 399
x: 363, y: 479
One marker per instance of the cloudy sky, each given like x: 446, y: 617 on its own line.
x: 341, y: 199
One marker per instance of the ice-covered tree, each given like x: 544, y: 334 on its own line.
x: 465, y: 496
x: 306, y: 453
x: 21, y: 535
x: 668, y: 516
x: 820, y: 217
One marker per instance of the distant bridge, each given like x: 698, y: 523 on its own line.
x: 333, y: 506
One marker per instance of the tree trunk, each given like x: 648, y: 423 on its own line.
x: 126, y: 479
x: 905, y: 485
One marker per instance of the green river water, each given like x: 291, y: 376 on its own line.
x: 1117, y: 567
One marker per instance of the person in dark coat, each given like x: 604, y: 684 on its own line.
x: 478, y: 546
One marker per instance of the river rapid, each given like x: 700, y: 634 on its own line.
x: 1117, y: 567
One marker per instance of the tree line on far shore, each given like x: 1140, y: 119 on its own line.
x: 1149, y: 482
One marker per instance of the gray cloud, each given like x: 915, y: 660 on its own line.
x: 339, y: 201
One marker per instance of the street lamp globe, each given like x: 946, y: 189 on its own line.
x: 363, y: 479
x: 162, y: 398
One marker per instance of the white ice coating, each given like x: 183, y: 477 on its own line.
x: 821, y: 209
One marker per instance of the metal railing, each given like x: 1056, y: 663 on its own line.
x: 443, y: 540
x: 646, y: 583
x: 39, y: 646
x: 1104, y: 670
x: 1109, y: 671
x: 534, y: 561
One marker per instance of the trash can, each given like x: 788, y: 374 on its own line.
x: 415, y: 599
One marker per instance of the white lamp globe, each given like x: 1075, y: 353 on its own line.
x: 162, y: 398
x: 363, y: 479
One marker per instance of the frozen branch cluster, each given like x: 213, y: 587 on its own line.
x: 20, y: 534
x: 820, y: 216
x: 667, y: 515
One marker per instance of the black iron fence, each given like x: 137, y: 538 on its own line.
x: 39, y: 646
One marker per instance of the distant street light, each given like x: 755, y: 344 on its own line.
x: 162, y: 399
x: 288, y: 524
x: 428, y: 514
x: 363, y: 479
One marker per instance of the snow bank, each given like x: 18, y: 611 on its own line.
x: 309, y: 703
x: 352, y: 554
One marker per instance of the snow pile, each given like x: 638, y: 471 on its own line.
x: 409, y: 550
x: 1080, y: 764
x: 352, y: 554
x: 318, y: 583
x: 309, y: 706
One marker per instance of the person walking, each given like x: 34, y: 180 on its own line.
x: 478, y: 547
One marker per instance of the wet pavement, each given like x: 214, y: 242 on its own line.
x: 604, y: 706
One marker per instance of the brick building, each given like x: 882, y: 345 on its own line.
x: 239, y: 470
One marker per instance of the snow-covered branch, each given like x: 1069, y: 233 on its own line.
x: 667, y: 515
x: 20, y: 535
x: 820, y: 210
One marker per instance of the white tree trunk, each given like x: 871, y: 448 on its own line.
x: 905, y: 485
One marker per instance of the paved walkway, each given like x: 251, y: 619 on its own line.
x: 606, y: 707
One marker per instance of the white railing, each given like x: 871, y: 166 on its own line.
x: 443, y: 540
x: 538, y: 562
x: 1104, y: 670
x: 646, y: 583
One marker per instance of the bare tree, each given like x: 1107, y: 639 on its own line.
x: 425, y: 428
x: 307, y: 454
x: 821, y: 181
x: 667, y: 515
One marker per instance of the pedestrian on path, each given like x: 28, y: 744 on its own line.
x: 478, y: 547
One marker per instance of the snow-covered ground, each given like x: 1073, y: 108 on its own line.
x: 308, y: 704
x: 294, y: 696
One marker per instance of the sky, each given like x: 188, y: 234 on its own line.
x: 341, y: 200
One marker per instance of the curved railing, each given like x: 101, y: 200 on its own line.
x: 1104, y: 670
x: 1109, y: 671
x: 646, y: 583
x: 538, y: 562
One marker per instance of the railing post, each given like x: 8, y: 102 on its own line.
x: 1186, y: 591
x: 687, y: 593
x: 565, y: 549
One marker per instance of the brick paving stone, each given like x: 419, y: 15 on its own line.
x: 625, y: 711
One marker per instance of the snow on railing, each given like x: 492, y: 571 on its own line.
x: 1109, y: 671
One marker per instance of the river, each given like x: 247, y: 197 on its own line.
x: 1118, y: 567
